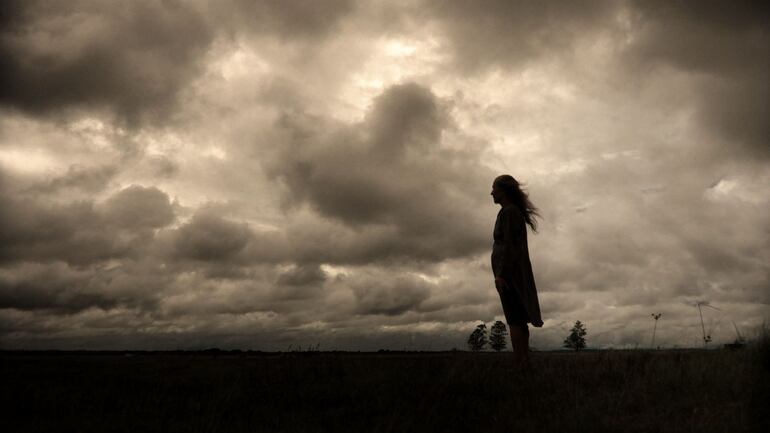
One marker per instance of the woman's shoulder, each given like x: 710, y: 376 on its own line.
x: 512, y: 212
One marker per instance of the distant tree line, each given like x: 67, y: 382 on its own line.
x: 497, y: 337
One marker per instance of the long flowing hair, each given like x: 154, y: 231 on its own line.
x: 513, y: 189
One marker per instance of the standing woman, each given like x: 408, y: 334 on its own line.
x: 511, y: 266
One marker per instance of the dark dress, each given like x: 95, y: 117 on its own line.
x: 510, y: 261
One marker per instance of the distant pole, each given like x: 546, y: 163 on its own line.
x: 703, y: 327
x: 738, y: 333
x: 654, y: 328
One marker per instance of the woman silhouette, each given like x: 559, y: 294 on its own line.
x: 511, y: 266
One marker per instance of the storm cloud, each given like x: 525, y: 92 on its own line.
x: 190, y: 174
x: 725, y: 50
x: 81, y: 232
x: 388, y: 174
x: 500, y: 33
x: 133, y: 59
x: 129, y: 58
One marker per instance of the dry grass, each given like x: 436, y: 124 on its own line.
x: 613, y: 391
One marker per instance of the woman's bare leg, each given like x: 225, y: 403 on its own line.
x: 520, y: 343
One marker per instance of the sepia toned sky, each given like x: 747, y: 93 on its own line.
x: 237, y: 174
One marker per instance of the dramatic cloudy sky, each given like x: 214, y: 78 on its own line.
x: 255, y: 174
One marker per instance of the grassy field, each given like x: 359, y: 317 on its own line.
x: 612, y: 391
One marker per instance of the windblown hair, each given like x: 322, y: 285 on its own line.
x: 520, y: 198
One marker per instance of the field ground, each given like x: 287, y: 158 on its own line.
x: 602, y: 391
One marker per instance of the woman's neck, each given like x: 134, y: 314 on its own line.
x: 505, y: 202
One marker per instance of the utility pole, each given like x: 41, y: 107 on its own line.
x: 654, y: 328
x: 738, y: 333
x: 706, y: 338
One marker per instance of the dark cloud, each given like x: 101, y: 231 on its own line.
x: 136, y: 58
x: 304, y: 282
x: 80, y: 232
x: 72, y: 232
x: 388, y: 177
x: 703, y: 36
x: 132, y: 58
x: 56, y: 286
x: 506, y: 33
x: 59, y: 287
x: 406, y: 121
x: 138, y: 207
x: 392, y: 296
x: 302, y: 276
x: 209, y: 237
x: 726, y: 49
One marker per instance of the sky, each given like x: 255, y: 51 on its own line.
x: 279, y: 174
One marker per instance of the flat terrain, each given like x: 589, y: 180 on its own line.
x: 612, y: 391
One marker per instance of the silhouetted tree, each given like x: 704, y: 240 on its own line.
x: 478, y: 338
x: 497, y: 335
x: 576, y: 339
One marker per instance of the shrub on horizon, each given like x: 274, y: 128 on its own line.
x: 478, y: 338
x: 576, y: 339
x: 497, y: 336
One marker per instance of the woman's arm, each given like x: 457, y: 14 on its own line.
x: 512, y: 221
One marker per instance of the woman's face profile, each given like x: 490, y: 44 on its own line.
x: 497, y: 193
